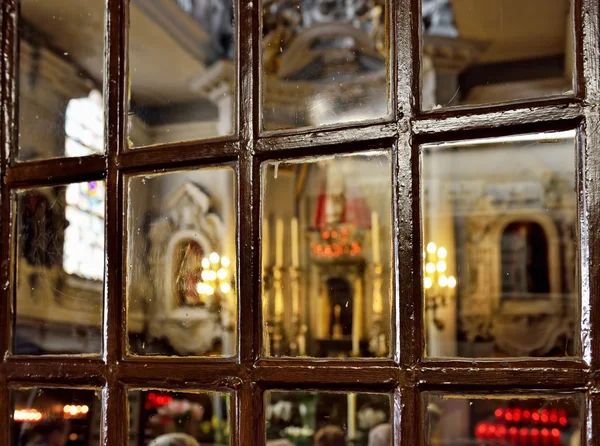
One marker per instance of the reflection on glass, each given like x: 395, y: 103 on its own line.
x: 483, y: 52
x: 55, y: 416
x: 181, y: 288
x: 500, y: 246
x: 163, y: 417
x: 61, y: 60
x: 182, y: 72
x: 59, y: 269
x: 519, y: 420
x: 326, y: 256
x: 324, y: 62
x: 327, y: 419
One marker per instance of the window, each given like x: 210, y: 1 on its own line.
x: 300, y: 222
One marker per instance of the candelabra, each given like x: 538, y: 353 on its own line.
x: 438, y: 287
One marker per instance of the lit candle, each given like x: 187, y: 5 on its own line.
x: 295, y: 252
x: 375, y: 237
x: 351, y: 416
x: 279, y: 243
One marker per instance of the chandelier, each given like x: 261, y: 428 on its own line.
x: 437, y: 285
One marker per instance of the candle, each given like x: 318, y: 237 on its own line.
x: 295, y: 252
x: 375, y: 237
x: 279, y: 243
x: 265, y: 239
x: 352, y: 416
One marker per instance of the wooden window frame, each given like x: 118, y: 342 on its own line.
x: 247, y: 376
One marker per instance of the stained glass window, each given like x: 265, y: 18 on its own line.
x: 84, y: 236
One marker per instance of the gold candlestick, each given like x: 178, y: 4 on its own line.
x: 378, y: 342
x: 298, y: 338
x: 278, y: 332
x: 357, y: 317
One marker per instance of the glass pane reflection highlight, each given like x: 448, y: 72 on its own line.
x: 324, y: 62
x: 519, y: 420
x: 327, y: 419
x: 484, y: 52
x: 182, y: 71
x: 61, y: 63
x: 55, y: 416
x: 326, y: 256
x: 181, y: 278
x: 59, y: 269
x: 164, y: 417
x: 500, y: 233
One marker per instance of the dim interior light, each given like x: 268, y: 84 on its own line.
x: 71, y: 410
x: 214, y: 258
x: 427, y: 282
x: 27, y: 415
x: 451, y: 282
x: 203, y: 288
x: 209, y: 275
x: 442, y: 281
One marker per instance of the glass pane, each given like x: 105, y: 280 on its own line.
x: 483, y: 52
x: 536, y: 420
x: 59, y: 269
x: 61, y: 66
x: 162, y: 417
x: 55, y: 416
x: 326, y: 256
x: 181, y: 285
x: 500, y: 244
x: 324, y: 62
x: 182, y: 70
x: 327, y: 419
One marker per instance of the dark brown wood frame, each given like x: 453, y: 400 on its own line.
x: 247, y: 376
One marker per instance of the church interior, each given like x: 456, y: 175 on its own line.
x: 499, y: 216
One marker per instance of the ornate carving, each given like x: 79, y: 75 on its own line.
x: 189, y: 329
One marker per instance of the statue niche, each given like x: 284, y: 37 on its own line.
x: 524, y: 260
x: 340, y: 300
x: 179, y: 242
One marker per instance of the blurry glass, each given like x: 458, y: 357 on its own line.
x: 55, y: 416
x: 328, y: 418
x: 182, y: 70
x: 59, y: 269
x: 326, y: 256
x: 500, y: 227
x: 181, y: 286
x: 61, y: 64
x: 172, y: 417
x: 324, y: 62
x: 537, y: 420
x: 484, y: 52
